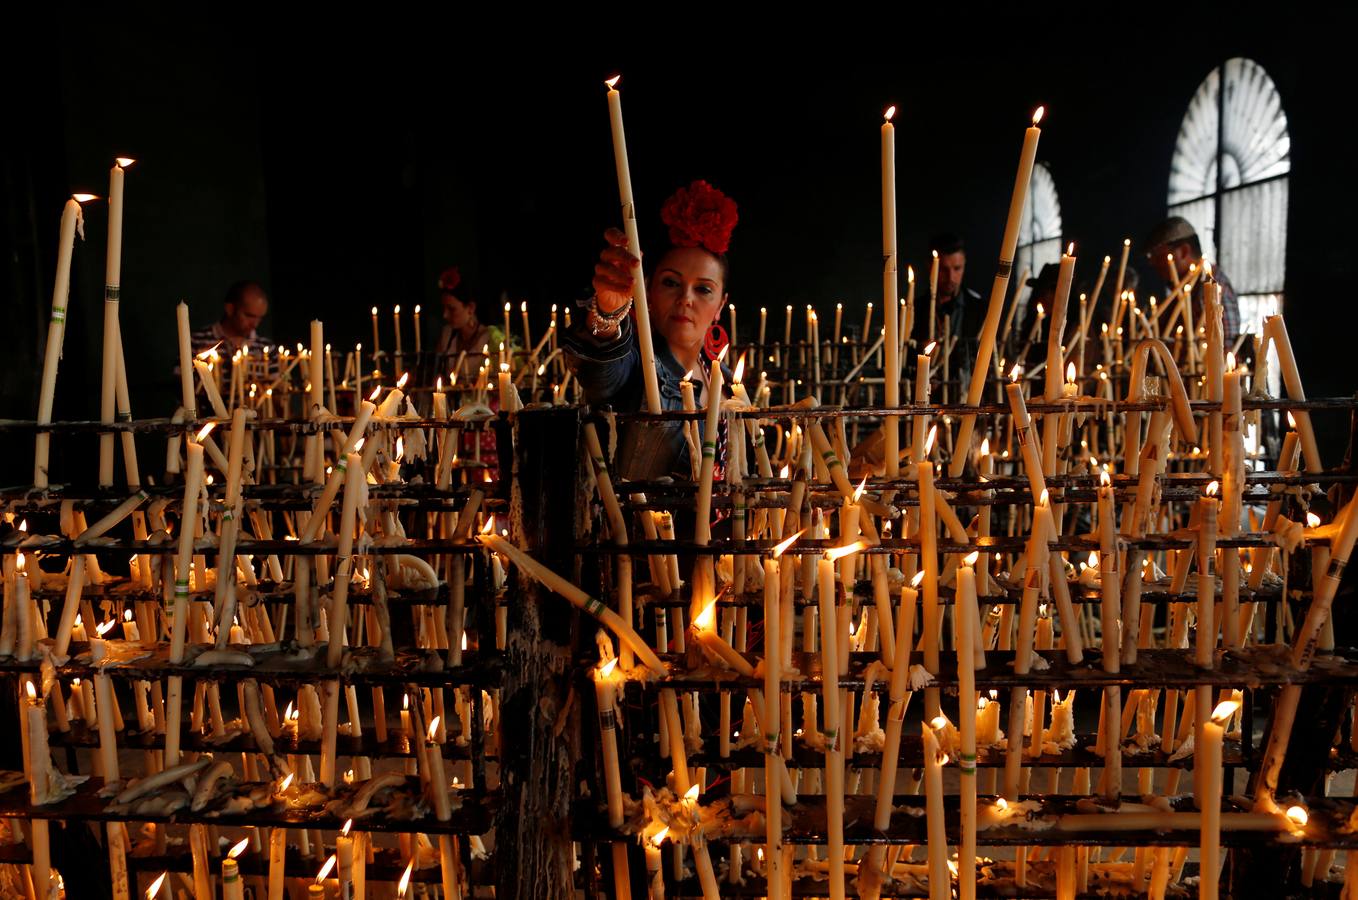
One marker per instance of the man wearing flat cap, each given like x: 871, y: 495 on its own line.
x: 1176, y: 240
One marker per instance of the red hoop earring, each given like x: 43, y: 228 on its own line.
x: 715, y: 342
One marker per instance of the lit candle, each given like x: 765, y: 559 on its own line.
x: 629, y: 221
x: 998, y: 289
x: 933, y: 292
x: 655, y: 873
x: 316, y: 890
x: 527, y: 331
x: 153, y: 892
x: 763, y: 324
x: 891, y: 447
x: 72, y: 222
x: 1208, y: 758
x: 606, y: 679
x: 731, y: 314
x: 113, y: 265
x: 233, y: 887
x: 377, y: 347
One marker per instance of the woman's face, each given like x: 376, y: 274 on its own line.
x: 686, y: 295
x: 456, y: 313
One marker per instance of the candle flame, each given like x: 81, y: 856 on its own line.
x: 835, y: 553
x: 659, y: 837
x: 489, y: 526
x: 1312, y: 520
x: 929, y: 348
x: 84, y: 198
x: 207, y: 354
x: 613, y: 82
x: 985, y: 446
x: 1298, y: 816
x: 691, y: 795
x: 287, y: 782
x: 937, y: 723
x: 740, y: 369
x: 919, y: 577
x: 401, y: 382
x: 29, y: 689
x: 1037, y: 115
x: 1042, y: 500
x: 1213, y: 488
x: 607, y: 668
x: 239, y: 847
x: 204, y: 431
x: 154, y: 889
x: 929, y: 442
x: 1015, y: 372
x: 890, y: 111
x: 706, y: 619
x: 858, y: 492
x: 404, y: 884
x: 971, y: 558
x: 1230, y: 361
x: 783, y: 547
x: 1291, y: 421
x: 400, y: 448
x: 124, y: 161
x: 1104, y: 479
x: 1041, y: 310
x: 1070, y: 373
x: 105, y: 628
x: 377, y: 392
x: 1224, y: 710
x: 1093, y: 561
x: 434, y: 726
x: 1070, y: 249
x: 1001, y: 804
x: 127, y: 614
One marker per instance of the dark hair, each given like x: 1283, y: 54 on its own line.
x: 237, y: 291
x: 947, y: 243
x: 463, y: 293
x: 722, y: 260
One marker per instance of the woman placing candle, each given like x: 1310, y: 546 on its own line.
x: 687, y: 290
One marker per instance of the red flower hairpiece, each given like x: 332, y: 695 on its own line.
x: 450, y: 279
x: 700, y: 216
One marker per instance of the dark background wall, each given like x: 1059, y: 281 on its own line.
x: 347, y: 170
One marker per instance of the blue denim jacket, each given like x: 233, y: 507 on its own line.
x: 609, y: 371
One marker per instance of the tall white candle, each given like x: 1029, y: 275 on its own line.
x: 999, y: 287
x: 72, y: 223
x: 113, y: 267
x: 629, y: 221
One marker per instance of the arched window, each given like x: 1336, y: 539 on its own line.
x: 1040, y: 228
x: 1229, y: 178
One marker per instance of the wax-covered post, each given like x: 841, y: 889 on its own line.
x: 834, y: 753
x: 928, y: 549
x: 940, y: 883
x: 998, y: 289
x: 174, y: 698
x: 966, y: 616
x: 629, y: 221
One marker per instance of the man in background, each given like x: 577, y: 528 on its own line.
x: 243, y: 307
x: 1175, y: 238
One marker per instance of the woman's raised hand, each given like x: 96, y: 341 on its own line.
x: 614, y: 274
